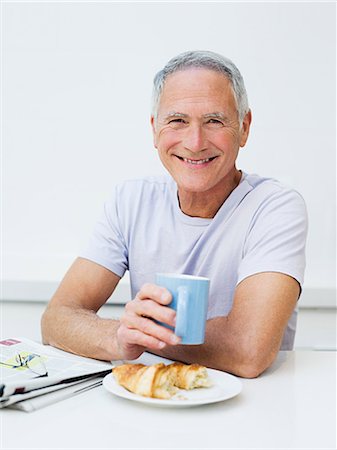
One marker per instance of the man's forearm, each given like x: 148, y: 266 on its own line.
x: 246, y: 341
x: 223, y: 350
x: 81, y: 332
x: 201, y: 354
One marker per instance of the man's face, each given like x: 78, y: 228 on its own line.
x: 197, y: 131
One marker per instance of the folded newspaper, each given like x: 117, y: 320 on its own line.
x: 33, y: 375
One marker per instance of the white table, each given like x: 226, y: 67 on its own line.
x: 292, y: 405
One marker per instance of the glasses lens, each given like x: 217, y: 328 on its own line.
x: 35, y: 364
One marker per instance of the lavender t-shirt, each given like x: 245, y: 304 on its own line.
x: 261, y: 227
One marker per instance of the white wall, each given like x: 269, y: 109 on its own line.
x: 76, y: 87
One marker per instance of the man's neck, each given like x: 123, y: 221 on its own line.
x: 207, y: 204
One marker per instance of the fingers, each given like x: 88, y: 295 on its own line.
x: 152, y: 291
x: 138, y: 327
x: 151, y: 309
x: 149, y: 328
x: 133, y: 340
x: 153, y: 301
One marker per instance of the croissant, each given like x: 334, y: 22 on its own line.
x: 189, y: 376
x: 160, y: 381
x: 154, y: 381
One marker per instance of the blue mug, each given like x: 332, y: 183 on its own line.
x: 190, y: 301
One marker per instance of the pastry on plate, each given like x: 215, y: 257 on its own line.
x: 150, y: 381
x: 189, y: 376
x: 159, y: 380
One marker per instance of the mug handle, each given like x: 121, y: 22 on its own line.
x: 181, y: 324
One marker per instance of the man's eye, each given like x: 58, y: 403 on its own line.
x: 215, y: 121
x: 176, y: 121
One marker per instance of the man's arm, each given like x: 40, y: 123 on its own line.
x: 70, y: 321
x: 244, y: 343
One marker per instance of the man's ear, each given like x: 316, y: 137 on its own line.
x: 245, y: 128
x: 153, y: 125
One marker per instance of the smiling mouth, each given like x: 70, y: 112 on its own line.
x: 196, y: 161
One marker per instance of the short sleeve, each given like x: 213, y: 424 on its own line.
x: 276, y: 239
x: 106, y: 245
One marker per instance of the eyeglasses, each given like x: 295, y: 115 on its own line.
x: 31, y: 361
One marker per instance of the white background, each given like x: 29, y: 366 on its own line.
x: 76, y: 88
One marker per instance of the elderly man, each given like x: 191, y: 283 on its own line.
x: 244, y: 232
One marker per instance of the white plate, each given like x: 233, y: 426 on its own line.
x: 224, y: 386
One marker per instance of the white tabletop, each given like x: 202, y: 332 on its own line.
x: 292, y: 405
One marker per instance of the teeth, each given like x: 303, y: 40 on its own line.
x: 200, y: 161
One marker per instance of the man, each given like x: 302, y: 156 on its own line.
x: 244, y: 232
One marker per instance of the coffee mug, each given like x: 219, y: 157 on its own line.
x: 190, y: 301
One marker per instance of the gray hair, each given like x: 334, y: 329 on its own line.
x: 205, y: 60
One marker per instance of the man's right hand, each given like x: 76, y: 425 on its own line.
x: 138, y: 330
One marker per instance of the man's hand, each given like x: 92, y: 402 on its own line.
x: 138, y: 330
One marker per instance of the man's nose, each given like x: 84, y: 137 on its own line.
x: 194, y: 139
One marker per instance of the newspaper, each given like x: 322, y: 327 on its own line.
x: 34, y: 400
x: 48, y: 372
